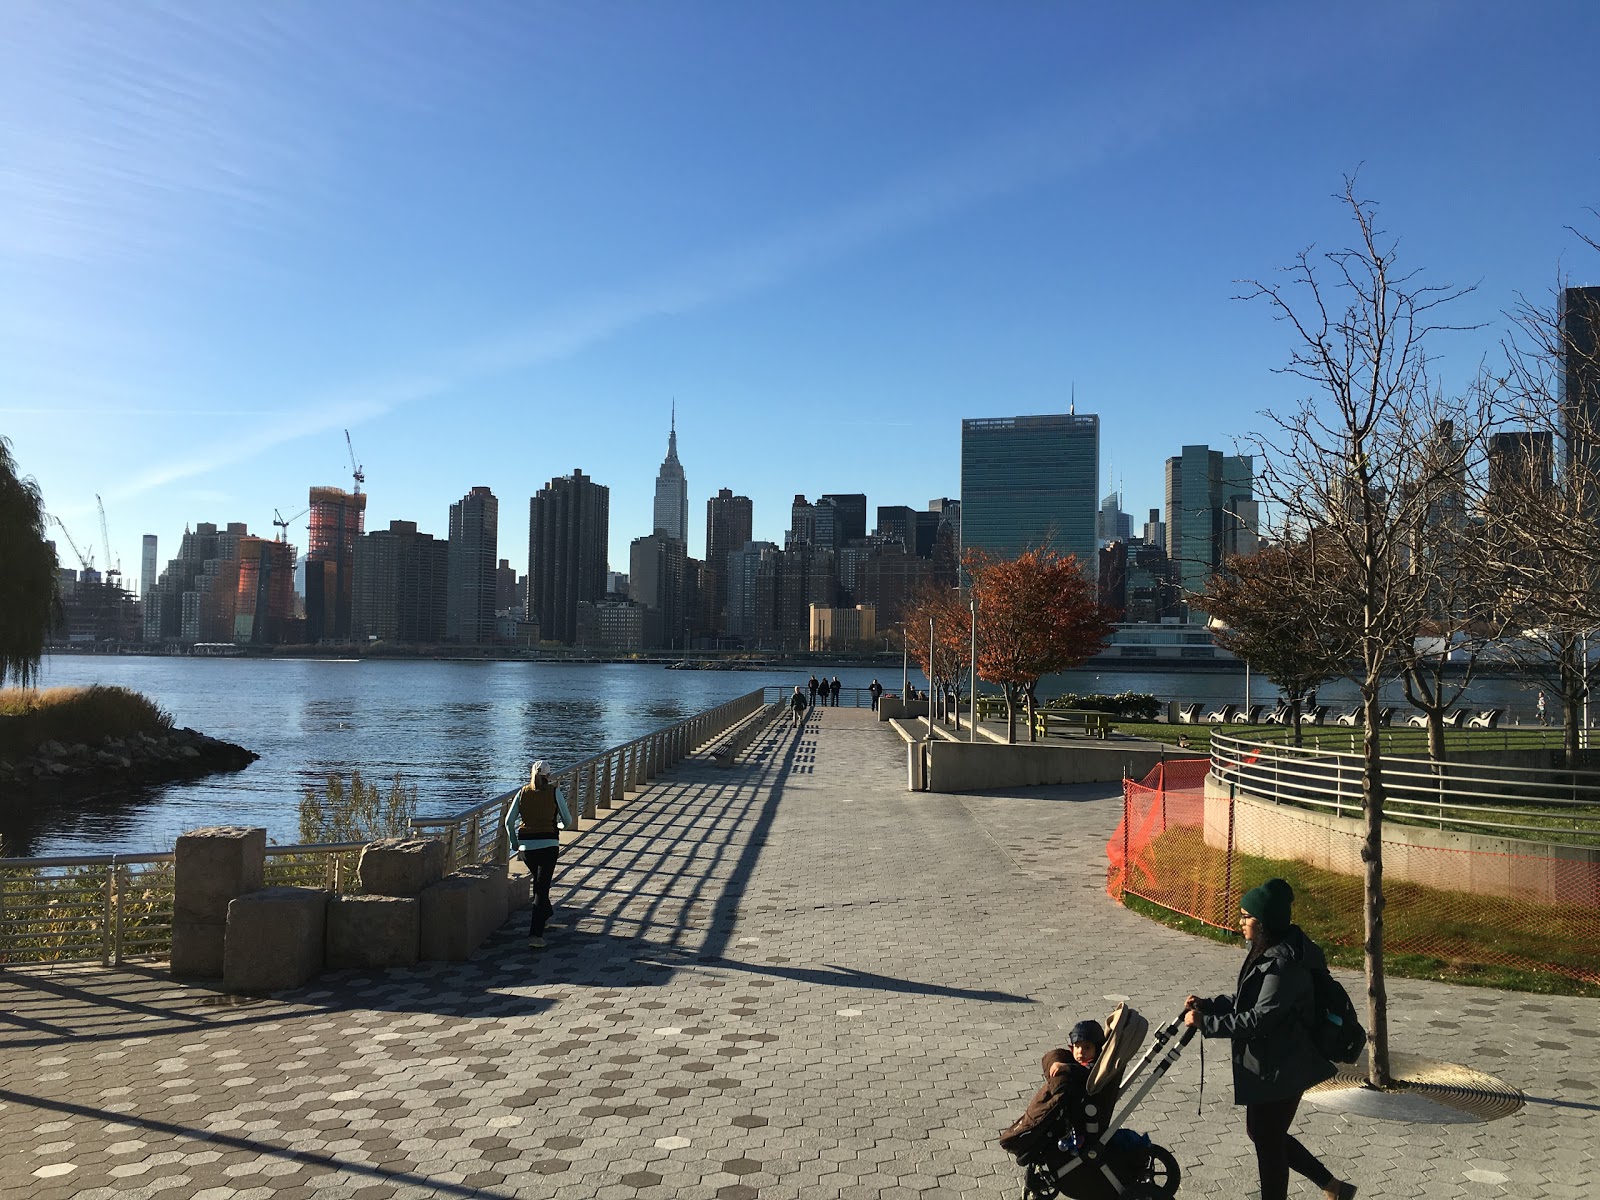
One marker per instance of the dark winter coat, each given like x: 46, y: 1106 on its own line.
x: 1269, y: 1021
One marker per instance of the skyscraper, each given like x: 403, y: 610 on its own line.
x: 729, y: 521
x: 402, y: 590
x: 1112, y: 524
x: 1211, y: 513
x: 841, y: 518
x: 1580, y: 377
x: 656, y: 566
x: 569, y: 523
x: 148, y: 565
x: 672, y: 490
x: 1031, y: 481
x: 470, y: 585
x: 337, y: 518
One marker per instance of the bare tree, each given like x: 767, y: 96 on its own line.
x: 1356, y: 468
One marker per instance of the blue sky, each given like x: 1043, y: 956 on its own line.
x: 497, y: 241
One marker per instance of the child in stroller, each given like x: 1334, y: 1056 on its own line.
x: 1067, y: 1142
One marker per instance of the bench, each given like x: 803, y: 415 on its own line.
x: 1092, y: 722
x: 991, y: 708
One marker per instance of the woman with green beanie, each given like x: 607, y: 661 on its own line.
x: 1269, y: 1021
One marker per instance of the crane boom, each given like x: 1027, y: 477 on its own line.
x: 113, y: 565
x: 355, y: 467
x: 283, y: 523
x: 86, y: 559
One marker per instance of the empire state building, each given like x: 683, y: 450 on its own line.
x: 672, y: 491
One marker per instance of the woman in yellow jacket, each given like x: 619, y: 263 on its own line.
x: 533, y: 825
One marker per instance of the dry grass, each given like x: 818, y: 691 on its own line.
x: 72, y: 716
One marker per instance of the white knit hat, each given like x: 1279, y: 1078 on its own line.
x: 537, y: 770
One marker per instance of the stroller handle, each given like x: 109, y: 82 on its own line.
x: 1167, y: 1039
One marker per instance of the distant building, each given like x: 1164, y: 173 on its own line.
x: 337, y: 519
x: 1580, y: 376
x: 263, y: 608
x: 568, y: 527
x: 471, y: 577
x: 672, y: 491
x: 841, y: 518
x: 505, y: 587
x: 1520, y: 463
x: 888, y: 579
x: 802, y: 524
x: 729, y: 522
x: 743, y: 569
x: 1155, y: 530
x: 843, y: 629
x: 1111, y: 523
x: 1136, y: 582
x: 656, y: 568
x: 402, y: 586
x: 149, y: 564
x: 1029, y: 482
x: 195, y: 599
x: 612, y: 624
x: 1211, y: 513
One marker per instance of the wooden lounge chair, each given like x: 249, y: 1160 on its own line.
x: 1489, y: 718
x: 1385, y: 716
x: 1189, y: 714
x: 1223, y: 715
x: 1353, y: 717
x: 1315, y: 716
x: 1456, y: 719
x: 1251, y: 717
x: 1278, y: 716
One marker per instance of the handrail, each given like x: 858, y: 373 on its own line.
x: 1445, y: 794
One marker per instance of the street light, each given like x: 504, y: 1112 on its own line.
x: 1218, y: 625
x: 972, y: 687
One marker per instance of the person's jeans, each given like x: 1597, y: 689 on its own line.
x: 1277, y: 1150
x: 541, y: 866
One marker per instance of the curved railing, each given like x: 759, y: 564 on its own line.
x: 1545, y: 803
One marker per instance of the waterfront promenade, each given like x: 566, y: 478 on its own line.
x: 792, y: 978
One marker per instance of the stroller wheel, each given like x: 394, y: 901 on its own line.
x: 1161, y: 1173
x: 1038, y: 1184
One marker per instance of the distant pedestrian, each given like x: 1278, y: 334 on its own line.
x: 797, y: 707
x: 1268, y: 1018
x: 533, y: 824
x: 875, y: 690
x: 1538, y: 710
x: 833, y: 691
x: 812, y: 688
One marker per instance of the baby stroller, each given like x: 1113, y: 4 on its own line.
x: 1080, y: 1148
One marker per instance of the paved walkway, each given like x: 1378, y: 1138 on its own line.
x: 788, y: 979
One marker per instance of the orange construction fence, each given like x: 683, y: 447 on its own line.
x: 1458, y: 909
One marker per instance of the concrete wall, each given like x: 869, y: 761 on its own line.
x: 983, y: 766
x: 1540, y: 872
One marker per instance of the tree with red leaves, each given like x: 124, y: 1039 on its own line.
x: 948, y: 664
x: 1037, y: 614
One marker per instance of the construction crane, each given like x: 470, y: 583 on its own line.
x: 86, y: 559
x: 113, y: 565
x: 355, y: 467
x: 283, y: 525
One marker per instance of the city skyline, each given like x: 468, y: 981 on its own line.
x: 499, y: 245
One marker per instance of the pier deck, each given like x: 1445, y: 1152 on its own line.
x: 787, y: 979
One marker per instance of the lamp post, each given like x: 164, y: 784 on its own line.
x: 1217, y: 625
x: 972, y: 690
x: 931, y: 687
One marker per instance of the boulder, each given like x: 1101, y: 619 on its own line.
x: 276, y: 939
x: 492, y: 904
x: 446, y: 919
x: 373, y: 931
x: 211, y: 867
x: 400, y: 866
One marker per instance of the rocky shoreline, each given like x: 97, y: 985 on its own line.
x: 140, y: 760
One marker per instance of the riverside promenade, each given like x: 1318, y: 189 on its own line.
x: 788, y: 979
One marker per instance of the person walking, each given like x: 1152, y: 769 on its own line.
x: 797, y: 707
x: 875, y: 690
x: 533, y: 825
x: 812, y: 688
x: 833, y: 692
x: 1269, y: 1018
x: 1538, y: 710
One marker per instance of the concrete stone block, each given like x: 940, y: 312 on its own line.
x: 276, y: 939
x: 519, y: 893
x: 400, y: 866
x: 446, y: 923
x: 197, y: 948
x: 213, y: 865
x: 373, y: 931
x: 491, y: 905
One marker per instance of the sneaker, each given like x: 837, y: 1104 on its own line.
x: 536, y: 943
x: 1339, y: 1190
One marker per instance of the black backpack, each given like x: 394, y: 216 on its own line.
x: 1335, y: 1029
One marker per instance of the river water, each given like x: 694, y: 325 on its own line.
x: 459, y: 731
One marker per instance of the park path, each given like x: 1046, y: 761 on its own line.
x: 787, y: 979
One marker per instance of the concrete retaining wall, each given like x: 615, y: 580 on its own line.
x: 1541, y: 872
x: 980, y: 766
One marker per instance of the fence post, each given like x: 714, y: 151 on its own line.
x: 1227, y: 877
x: 113, y: 918
x: 591, y: 789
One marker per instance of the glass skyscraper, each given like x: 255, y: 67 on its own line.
x: 1028, y: 482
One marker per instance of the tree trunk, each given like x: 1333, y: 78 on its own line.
x: 1013, y: 696
x: 1372, y: 796
x: 1033, y: 730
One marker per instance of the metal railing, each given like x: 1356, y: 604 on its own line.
x: 1541, y: 804
x: 110, y: 908
x: 590, y: 787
